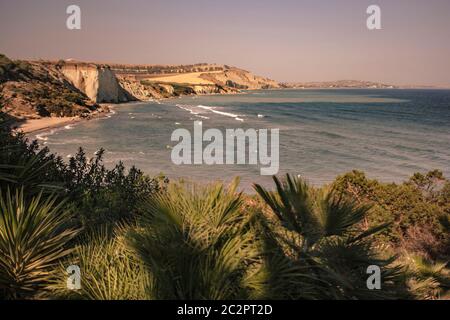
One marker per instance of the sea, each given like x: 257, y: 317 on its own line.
x: 387, y: 133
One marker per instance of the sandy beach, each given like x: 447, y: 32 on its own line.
x: 34, y: 125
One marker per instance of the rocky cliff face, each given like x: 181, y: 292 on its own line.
x: 240, y: 79
x: 31, y: 90
x: 148, y: 90
x: 37, y: 89
x: 98, y: 82
x: 116, y: 83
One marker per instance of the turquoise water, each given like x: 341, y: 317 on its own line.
x: 390, y: 134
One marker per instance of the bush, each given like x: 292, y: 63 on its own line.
x: 420, y: 203
x: 320, y: 231
x: 33, y: 237
x: 101, y: 197
x: 110, y: 271
x: 196, y: 244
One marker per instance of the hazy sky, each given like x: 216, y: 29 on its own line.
x: 287, y: 40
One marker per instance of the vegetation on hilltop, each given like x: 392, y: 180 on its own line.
x: 13, y: 69
x: 33, y: 90
x: 167, y: 69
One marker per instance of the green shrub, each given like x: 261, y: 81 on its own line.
x: 33, y: 236
x: 109, y: 271
x: 421, y: 202
x: 103, y: 197
x: 197, y: 244
x: 320, y: 230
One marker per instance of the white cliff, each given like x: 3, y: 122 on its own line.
x: 98, y: 82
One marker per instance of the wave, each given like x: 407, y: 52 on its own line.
x: 186, y: 108
x: 110, y: 114
x: 189, y: 109
x: 192, y: 110
x: 223, y: 113
x: 44, y: 136
x: 41, y: 137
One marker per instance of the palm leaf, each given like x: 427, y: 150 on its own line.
x: 33, y: 237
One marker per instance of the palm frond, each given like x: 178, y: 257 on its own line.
x: 33, y: 237
x: 108, y: 270
x: 197, y: 244
x: 319, y: 230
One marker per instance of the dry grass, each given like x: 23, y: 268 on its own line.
x: 186, y: 78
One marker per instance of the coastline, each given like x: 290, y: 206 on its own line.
x: 31, y: 126
x: 43, y: 124
x: 35, y: 125
x: 38, y: 125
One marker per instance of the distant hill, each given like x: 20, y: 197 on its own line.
x: 146, y: 82
x: 341, y: 84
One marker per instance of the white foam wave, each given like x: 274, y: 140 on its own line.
x: 41, y: 137
x: 186, y: 108
x: 44, y: 136
x: 199, y: 113
x: 223, y: 113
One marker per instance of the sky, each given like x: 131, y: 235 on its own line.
x: 286, y: 40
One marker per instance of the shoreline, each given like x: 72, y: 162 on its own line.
x: 37, y: 125
x: 32, y: 126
